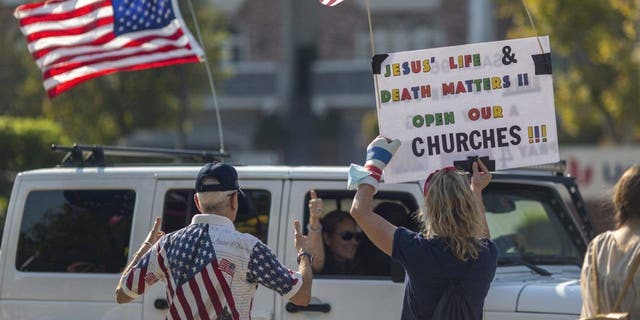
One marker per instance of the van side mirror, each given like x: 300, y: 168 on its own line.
x: 397, y: 272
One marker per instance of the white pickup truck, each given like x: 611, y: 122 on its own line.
x: 71, y: 229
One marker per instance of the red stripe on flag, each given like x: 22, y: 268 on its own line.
x: 202, y: 311
x: 71, y: 31
x: 73, y: 65
x: 225, y: 289
x: 130, y: 279
x: 78, y: 12
x: 62, y: 87
x: 141, y: 283
x: 215, y: 299
x: 135, y: 43
x: 97, y: 42
x: 184, y: 303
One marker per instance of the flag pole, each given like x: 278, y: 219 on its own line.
x: 209, y: 76
x: 373, y: 52
x: 526, y: 8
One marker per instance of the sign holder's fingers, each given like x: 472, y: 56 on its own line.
x: 313, y: 194
x: 483, y: 167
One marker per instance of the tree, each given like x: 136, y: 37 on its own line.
x: 25, y: 144
x: 596, y: 55
x: 105, y: 109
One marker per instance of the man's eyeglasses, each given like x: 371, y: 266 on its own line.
x: 348, y: 235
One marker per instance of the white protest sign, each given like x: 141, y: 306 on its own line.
x: 484, y: 99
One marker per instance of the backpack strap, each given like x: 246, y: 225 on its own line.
x: 627, y: 282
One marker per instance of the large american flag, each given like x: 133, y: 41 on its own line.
x: 331, y: 3
x: 76, y: 40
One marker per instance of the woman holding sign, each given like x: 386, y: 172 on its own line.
x: 452, y: 262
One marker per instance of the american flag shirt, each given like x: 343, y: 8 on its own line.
x: 211, y: 270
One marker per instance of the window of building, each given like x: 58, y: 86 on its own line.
x: 75, y: 231
x: 179, y: 208
x: 235, y: 48
x: 399, y: 208
x: 399, y: 37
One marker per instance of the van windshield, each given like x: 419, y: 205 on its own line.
x: 529, y: 225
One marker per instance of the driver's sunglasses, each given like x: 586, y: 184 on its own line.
x: 348, y: 235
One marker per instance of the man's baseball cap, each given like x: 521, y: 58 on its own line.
x: 227, y: 181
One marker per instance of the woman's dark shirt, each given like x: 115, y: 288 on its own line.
x: 431, y: 266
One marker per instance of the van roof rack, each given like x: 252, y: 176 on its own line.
x: 80, y: 155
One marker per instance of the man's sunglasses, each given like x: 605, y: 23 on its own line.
x: 348, y: 235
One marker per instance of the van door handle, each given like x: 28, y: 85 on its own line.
x: 161, y: 304
x: 320, y: 307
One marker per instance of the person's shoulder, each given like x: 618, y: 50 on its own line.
x: 247, y: 239
x: 407, y: 233
x: 603, y: 238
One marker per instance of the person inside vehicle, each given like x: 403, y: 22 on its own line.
x: 610, y: 279
x: 376, y: 262
x: 453, y: 257
x: 334, y: 240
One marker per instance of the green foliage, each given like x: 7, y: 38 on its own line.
x: 369, y: 126
x: 596, y: 63
x: 26, y: 143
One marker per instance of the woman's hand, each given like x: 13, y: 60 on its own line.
x: 316, y: 209
x: 481, y: 176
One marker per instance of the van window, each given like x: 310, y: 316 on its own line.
x: 179, y: 208
x: 75, y: 231
x: 399, y: 208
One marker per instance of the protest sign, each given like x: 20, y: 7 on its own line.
x: 492, y: 99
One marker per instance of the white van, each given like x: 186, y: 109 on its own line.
x: 70, y: 231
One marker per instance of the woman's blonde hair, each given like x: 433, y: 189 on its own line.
x: 452, y: 212
x: 626, y: 197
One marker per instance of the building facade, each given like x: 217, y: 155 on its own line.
x: 298, y: 85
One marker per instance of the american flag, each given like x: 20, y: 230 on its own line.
x: 76, y: 40
x: 331, y: 3
x: 228, y: 267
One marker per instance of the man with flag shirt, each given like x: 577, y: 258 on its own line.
x: 211, y: 270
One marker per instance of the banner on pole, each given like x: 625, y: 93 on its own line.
x: 492, y: 99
